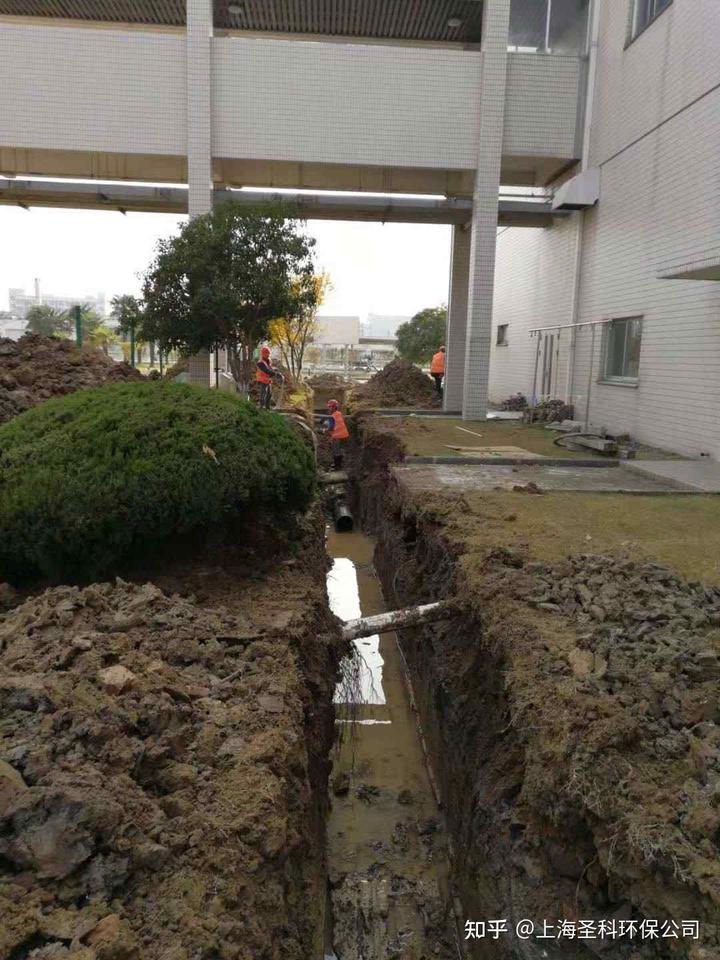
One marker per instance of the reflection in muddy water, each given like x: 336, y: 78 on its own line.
x: 362, y: 675
x: 387, y: 857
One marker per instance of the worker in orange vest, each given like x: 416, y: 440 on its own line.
x: 437, y: 370
x: 265, y: 373
x: 337, y: 428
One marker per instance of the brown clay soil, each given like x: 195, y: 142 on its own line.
x: 35, y: 368
x: 163, y: 764
x: 573, y: 714
x: 399, y: 384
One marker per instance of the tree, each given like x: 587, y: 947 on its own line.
x: 223, y: 278
x: 96, y: 332
x: 292, y: 334
x: 47, y: 321
x: 419, y: 338
x: 128, y: 313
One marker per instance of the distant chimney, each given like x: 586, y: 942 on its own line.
x: 37, y: 290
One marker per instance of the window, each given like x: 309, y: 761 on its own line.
x: 501, y: 340
x: 621, y: 355
x: 644, y: 12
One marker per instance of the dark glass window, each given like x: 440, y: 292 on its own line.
x: 622, y: 349
x: 645, y: 11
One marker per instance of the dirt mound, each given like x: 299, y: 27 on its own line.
x: 35, y: 368
x: 399, y: 384
x: 160, y: 790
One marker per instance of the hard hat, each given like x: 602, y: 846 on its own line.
x: 265, y: 352
x: 333, y: 404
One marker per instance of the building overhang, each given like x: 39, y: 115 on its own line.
x: 515, y: 212
x: 438, y: 21
x: 703, y: 268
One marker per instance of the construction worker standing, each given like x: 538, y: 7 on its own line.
x: 338, y: 431
x: 437, y: 370
x: 265, y: 373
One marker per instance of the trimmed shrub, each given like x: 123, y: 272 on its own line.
x: 92, y: 482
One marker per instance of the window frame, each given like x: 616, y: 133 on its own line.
x: 614, y: 379
x: 504, y: 341
x: 635, y: 31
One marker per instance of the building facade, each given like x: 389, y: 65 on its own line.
x: 616, y: 307
x: 441, y: 99
x: 20, y: 302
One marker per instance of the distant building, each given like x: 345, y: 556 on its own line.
x: 382, y: 325
x: 11, y: 327
x: 20, y: 301
x: 337, y: 331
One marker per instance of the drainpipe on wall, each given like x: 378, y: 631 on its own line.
x: 594, y: 33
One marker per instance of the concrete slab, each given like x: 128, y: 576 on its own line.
x: 504, y: 452
x: 505, y: 415
x: 700, y: 476
x: 422, y: 478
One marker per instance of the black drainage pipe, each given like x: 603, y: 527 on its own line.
x: 344, y: 522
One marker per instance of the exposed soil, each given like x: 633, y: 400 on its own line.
x: 35, y: 368
x: 572, y: 711
x: 399, y: 384
x: 164, y: 763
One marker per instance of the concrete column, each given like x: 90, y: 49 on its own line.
x: 199, y: 137
x: 199, y: 106
x: 457, y: 318
x: 496, y: 18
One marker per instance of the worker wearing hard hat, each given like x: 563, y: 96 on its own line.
x: 337, y: 428
x: 437, y: 370
x: 265, y: 373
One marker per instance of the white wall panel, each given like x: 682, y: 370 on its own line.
x: 99, y: 90
x: 345, y: 103
x: 541, y: 105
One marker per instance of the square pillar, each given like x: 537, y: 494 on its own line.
x: 199, y: 137
x: 199, y: 106
x: 457, y: 318
x: 496, y: 19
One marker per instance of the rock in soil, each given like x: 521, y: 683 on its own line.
x: 36, y: 368
x: 148, y: 811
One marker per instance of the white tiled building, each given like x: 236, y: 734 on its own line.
x: 428, y: 98
x: 652, y: 367
x: 452, y: 101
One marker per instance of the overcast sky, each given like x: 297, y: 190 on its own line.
x: 392, y: 269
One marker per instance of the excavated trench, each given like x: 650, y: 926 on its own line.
x: 386, y: 846
x: 534, y: 837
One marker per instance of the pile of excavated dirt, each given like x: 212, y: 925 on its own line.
x: 572, y: 711
x: 399, y: 384
x: 35, y: 368
x: 163, y: 770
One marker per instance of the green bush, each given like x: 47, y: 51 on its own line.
x: 90, y: 482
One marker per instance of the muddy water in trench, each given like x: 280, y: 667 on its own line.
x: 387, y: 851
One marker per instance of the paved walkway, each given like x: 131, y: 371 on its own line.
x: 436, y: 476
x: 700, y: 476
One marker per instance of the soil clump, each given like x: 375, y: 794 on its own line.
x: 164, y: 764
x: 36, y: 368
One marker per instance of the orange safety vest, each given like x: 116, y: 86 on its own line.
x: 340, y: 430
x: 261, y: 376
x: 438, y: 363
